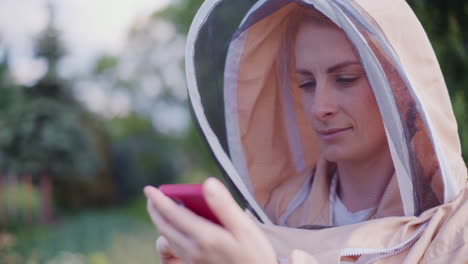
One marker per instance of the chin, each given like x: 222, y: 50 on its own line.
x: 335, y: 154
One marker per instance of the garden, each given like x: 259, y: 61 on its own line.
x: 78, y: 146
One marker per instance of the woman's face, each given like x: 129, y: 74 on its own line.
x: 336, y: 95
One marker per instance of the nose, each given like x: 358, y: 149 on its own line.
x: 324, y: 104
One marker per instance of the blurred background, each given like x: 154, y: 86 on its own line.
x: 93, y: 107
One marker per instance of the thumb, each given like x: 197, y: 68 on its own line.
x: 225, y: 207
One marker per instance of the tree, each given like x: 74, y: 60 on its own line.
x: 44, y: 134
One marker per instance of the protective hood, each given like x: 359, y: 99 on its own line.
x: 251, y: 113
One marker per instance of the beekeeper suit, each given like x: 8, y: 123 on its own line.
x: 243, y: 88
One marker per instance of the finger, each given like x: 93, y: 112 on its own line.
x: 225, y: 207
x: 179, y: 217
x: 172, y: 261
x: 204, y: 235
x: 171, y: 253
x: 163, y: 248
x: 172, y: 234
x: 166, y: 254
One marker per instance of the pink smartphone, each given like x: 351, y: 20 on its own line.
x: 191, y: 197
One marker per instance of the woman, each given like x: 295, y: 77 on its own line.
x: 337, y: 119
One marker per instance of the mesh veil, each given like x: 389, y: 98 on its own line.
x: 249, y: 97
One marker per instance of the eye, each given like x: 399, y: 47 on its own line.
x: 347, y: 80
x: 308, y: 85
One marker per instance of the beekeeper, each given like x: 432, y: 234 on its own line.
x: 333, y: 123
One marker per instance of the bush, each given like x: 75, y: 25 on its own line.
x: 92, y: 237
x: 19, y: 204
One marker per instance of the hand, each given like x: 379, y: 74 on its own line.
x: 194, y: 239
x: 166, y: 254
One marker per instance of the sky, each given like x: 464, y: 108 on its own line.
x: 89, y: 27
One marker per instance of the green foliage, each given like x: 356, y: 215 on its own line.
x: 104, y: 63
x: 43, y: 127
x: 8, y: 90
x: 122, y: 128
x: 181, y: 13
x: 23, y: 201
x: 112, y: 236
x: 200, y: 164
x: 48, y: 45
x: 460, y: 109
x: 141, y: 155
x: 44, y: 135
x: 446, y: 25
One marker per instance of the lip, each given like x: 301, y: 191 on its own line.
x: 332, y: 133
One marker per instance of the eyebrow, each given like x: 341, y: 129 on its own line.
x: 332, y: 69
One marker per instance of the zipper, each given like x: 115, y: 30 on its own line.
x: 388, y: 255
x: 383, y: 253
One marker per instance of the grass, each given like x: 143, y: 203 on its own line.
x: 122, y: 235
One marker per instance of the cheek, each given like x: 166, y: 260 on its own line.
x: 361, y: 102
x: 306, y: 101
x: 371, y: 110
x: 368, y: 119
x: 360, y: 105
